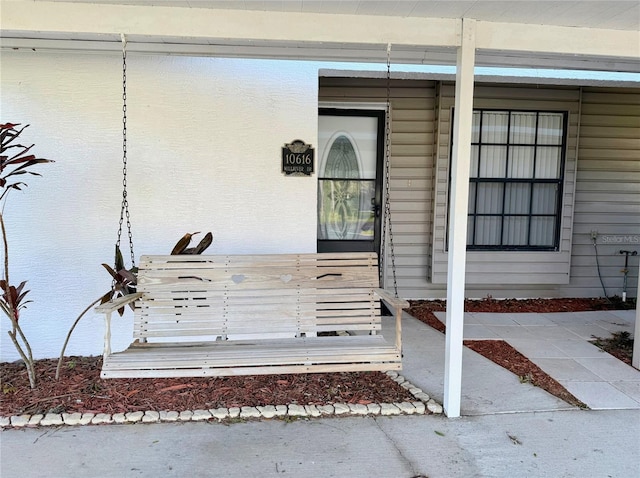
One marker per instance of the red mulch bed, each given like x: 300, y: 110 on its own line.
x: 423, y: 309
x: 525, y: 305
x: 80, y: 389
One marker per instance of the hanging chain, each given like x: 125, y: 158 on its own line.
x: 387, y: 176
x: 124, y: 210
x: 383, y: 245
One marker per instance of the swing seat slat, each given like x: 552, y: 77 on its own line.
x: 218, y: 315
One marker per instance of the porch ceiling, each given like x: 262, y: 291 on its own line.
x: 593, y: 35
x: 616, y: 15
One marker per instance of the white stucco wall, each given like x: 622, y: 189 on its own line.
x: 204, y: 139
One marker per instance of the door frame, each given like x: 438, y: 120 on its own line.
x: 375, y: 110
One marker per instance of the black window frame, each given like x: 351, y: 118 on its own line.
x: 559, y: 182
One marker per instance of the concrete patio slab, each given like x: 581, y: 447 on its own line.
x: 587, y: 331
x: 577, y: 348
x: 495, y: 319
x: 531, y: 319
x: 629, y: 388
x: 628, y: 315
x: 587, y: 316
x: 615, y: 325
x: 562, y: 349
x: 483, y: 382
x: 537, y: 348
x: 600, y: 395
x: 554, y: 332
x: 562, y: 318
x: 470, y: 318
x: 511, y: 331
x: 610, y: 369
x: 479, y: 332
x: 566, y: 369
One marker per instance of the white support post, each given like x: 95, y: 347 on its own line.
x: 635, y: 358
x: 458, y: 206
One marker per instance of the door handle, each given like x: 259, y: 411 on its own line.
x: 376, y: 210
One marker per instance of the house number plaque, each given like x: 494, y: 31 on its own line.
x: 297, y: 158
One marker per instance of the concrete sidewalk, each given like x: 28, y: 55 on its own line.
x: 508, y: 429
x: 545, y: 444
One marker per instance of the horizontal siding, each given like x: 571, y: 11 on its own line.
x: 523, y: 268
x: 606, y: 187
x: 411, y: 176
x: 602, y: 188
x: 627, y: 130
x: 611, y: 122
x: 621, y: 144
x: 611, y: 154
x: 612, y: 205
x: 592, y: 109
x: 607, y: 190
x: 611, y: 96
x: 605, y: 176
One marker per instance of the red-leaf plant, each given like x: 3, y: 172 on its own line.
x: 12, y: 300
x: 124, y: 281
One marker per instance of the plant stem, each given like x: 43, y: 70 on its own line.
x: 6, y: 259
x: 29, y: 364
x: 17, y: 330
x: 64, y: 347
x: 25, y: 341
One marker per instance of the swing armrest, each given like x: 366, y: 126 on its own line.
x: 115, y: 304
x: 392, y: 301
x: 395, y: 305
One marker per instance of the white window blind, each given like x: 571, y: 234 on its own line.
x: 516, y: 179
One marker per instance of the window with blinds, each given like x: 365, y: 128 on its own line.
x: 517, y: 172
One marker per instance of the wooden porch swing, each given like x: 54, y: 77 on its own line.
x: 220, y: 315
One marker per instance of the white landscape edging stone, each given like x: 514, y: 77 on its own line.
x: 423, y: 404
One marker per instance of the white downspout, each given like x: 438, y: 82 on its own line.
x: 458, y: 208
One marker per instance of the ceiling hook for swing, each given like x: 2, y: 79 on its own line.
x: 123, y: 39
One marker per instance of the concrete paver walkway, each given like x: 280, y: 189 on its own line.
x: 559, y: 344
x: 487, y: 388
